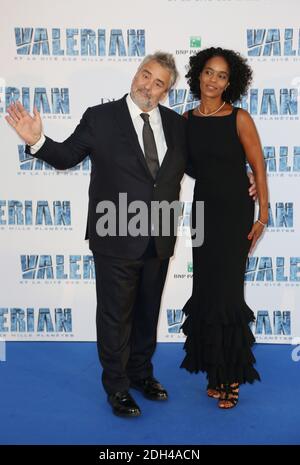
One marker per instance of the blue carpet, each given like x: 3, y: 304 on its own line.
x: 51, y: 394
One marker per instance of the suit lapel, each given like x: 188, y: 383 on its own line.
x: 167, y: 127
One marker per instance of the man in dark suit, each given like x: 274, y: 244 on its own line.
x: 136, y: 147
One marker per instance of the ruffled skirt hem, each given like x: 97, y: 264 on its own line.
x: 219, y: 342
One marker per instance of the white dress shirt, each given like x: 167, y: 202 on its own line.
x: 135, y: 111
x: 155, y: 123
x: 36, y: 147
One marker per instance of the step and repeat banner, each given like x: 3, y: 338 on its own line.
x: 66, y: 56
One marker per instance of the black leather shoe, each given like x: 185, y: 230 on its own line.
x: 151, y: 388
x: 123, y: 404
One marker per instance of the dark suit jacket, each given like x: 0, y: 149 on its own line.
x: 107, y: 134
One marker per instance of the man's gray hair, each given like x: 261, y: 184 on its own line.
x: 166, y: 60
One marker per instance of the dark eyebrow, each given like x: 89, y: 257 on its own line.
x: 159, y: 80
x: 225, y: 72
x: 145, y: 70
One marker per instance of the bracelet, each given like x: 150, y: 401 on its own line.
x: 260, y: 222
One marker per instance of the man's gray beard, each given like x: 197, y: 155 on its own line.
x: 146, y: 103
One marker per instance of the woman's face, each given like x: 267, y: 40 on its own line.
x: 214, y: 78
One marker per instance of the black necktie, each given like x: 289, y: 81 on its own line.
x: 150, y: 149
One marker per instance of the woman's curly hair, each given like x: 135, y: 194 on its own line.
x: 240, y: 72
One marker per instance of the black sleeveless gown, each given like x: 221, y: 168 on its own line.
x: 219, y: 339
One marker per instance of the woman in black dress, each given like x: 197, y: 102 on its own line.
x: 222, y: 138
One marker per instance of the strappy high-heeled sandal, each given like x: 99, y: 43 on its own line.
x: 229, y: 396
x: 214, y: 392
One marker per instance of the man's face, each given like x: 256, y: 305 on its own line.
x: 150, y: 85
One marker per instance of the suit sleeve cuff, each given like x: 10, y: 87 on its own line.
x: 36, y: 147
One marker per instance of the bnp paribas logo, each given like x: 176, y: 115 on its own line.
x: 190, y: 267
x: 194, y: 45
x: 195, y: 42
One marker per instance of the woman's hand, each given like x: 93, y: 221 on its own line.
x: 255, y: 233
x: 252, y: 189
